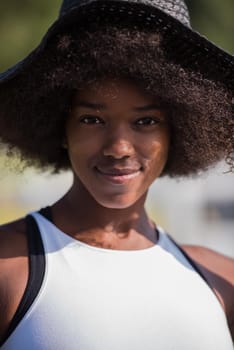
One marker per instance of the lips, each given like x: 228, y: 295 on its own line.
x: 118, y: 171
x: 118, y: 175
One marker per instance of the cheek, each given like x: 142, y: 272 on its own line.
x: 81, y: 144
x: 157, y: 154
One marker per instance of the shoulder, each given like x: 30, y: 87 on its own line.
x: 218, y: 269
x: 13, y: 269
x: 12, y: 237
x: 216, y: 263
x: 13, y: 248
x: 13, y: 243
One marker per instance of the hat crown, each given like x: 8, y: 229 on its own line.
x: 175, y: 8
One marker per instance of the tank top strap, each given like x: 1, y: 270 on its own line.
x: 190, y: 261
x: 47, y: 213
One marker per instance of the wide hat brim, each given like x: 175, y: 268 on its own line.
x: 183, y: 45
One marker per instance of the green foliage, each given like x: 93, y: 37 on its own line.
x: 214, y: 19
x: 22, y: 25
x: 24, y: 22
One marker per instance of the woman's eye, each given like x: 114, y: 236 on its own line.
x: 90, y: 119
x: 147, y: 121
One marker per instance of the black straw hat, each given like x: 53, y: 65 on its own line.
x: 170, y: 17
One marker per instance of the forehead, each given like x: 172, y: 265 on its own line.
x: 113, y: 91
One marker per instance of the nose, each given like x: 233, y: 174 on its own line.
x: 118, y: 144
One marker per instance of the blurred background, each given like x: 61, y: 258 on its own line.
x: 197, y: 211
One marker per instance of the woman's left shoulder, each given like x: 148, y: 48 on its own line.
x: 218, y: 270
x: 213, y: 261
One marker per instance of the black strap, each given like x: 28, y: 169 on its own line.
x: 47, y: 213
x: 192, y: 263
x: 36, y: 274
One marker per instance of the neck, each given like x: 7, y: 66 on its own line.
x: 79, y: 215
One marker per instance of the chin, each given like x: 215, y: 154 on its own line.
x: 116, y: 203
x: 117, y: 206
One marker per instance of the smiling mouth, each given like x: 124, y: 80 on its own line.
x: 118, y: 176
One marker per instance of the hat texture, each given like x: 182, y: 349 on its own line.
x: 175, y: 8
x: 169, y: 17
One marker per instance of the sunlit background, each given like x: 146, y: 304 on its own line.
x: 198, y: 211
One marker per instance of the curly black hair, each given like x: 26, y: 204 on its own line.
x: 200, y: 110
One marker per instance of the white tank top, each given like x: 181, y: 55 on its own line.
x: 100, y: 299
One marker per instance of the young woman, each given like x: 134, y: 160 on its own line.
x: 121, y: 93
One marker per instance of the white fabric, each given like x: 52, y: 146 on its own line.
x: 100, y: 299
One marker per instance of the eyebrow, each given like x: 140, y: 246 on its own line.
x: 90, y: 105
x: 148, y: 108
x: 95, y: 106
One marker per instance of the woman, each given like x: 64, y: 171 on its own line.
x: 121, y: 93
